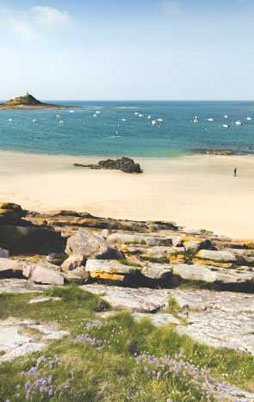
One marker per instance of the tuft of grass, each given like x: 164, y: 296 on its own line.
x: 173, y: 307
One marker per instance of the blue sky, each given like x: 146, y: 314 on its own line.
x: 142, y: 49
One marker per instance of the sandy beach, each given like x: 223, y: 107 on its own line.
x: 194, y: 191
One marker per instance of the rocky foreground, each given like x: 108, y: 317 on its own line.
x: 150, y: 260
x: 200, y: 283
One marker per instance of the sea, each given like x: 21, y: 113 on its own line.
x: 130, y: 128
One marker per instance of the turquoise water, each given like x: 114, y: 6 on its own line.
x: 117, y: 130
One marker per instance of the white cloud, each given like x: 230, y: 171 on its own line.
x: 51, y: 17
x: 38, y: 21
x: 172, y: 8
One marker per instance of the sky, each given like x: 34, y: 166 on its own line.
x: 127, y: 50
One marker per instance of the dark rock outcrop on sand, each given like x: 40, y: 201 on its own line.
x: 126, y: 165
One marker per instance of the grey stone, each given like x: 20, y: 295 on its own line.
x: 110, y: 267
x: 156, y: 271
x: 219, y: 319
x: 78, y: 274
x: 45, y: 273
x: 73, y: 262
x: 141, y: 300
x: 19, y: 286
x: 89, y: 245
x: 122, y: 238
x: 195, y: 273
x: 218, y: 256
x: 13, y: 343
x: 7, y: 264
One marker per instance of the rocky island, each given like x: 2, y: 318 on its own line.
x: 167, y: 311
x: 28, y: 101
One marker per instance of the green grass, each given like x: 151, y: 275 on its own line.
x: 130, y: 263
x: 75, y: 306
x: 108, y: 371
x: 173, y: 307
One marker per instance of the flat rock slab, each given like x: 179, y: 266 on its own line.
x: 110, y: 267
x: 15, y: 341
x: 122, y: 238
x: 219, y: 256
x: 219, y: 319
x: 143, y: 300
x: 16, y: 286
x: 205, y: 300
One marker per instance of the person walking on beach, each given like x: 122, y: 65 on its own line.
x: 235, y: 172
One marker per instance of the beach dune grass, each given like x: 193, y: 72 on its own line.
x: 99, y: 360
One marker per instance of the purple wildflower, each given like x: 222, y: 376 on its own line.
x: 32, y: 371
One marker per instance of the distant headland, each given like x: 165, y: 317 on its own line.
x: 28, y: 101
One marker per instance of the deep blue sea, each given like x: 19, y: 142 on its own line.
x: 126, y: 128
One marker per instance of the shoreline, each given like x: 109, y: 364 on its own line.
x: 196, y: 191
x: 41, y: 107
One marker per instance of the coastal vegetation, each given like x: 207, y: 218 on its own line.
x: 114, y: 358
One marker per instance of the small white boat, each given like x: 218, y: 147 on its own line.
x: 154, y: 122
x: 149, y: 117
x: 123, y: 119
x: 71, y: 111
x: 34, y: 120
x: 140, y: 115
x: 238, y: 123
x: 9, y: 119
x: 97, y: 112
x: 196, y: 120
x: 136, y: 113
x: 94, y: 115
x: 225, y: 125
x: 58, y: 116
x: 225, y: 116
x: 160, y: 120
x: 61, y: 122
x: 210, y: 119
x: 249, y: 118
